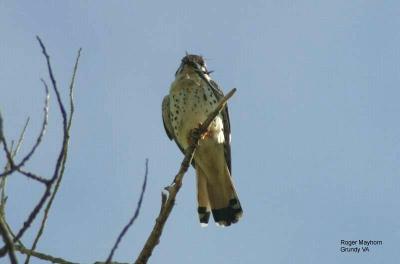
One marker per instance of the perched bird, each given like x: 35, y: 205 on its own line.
x: 192, y: 96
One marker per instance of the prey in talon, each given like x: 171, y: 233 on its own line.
x: 193, y: 95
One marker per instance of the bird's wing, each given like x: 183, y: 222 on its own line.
x: 226, y: 122
x: 225, y: 115
x: 167, y: 123
x: 167, y: 119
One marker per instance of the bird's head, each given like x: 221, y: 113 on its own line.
x: 193, y: 62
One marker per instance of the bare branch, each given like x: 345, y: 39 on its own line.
x: 112, y: 262
x: 44, y: 125
x: 5, y: 147
x: 7, y: 167
x: 3, y: 251
x: 33, y: 214
x: 42, y: 256
x: 8, y: 241
x: 33, y: 176
x: 21, y: 138
x: 173, y: 189
x: 60, y: 164
x: 51, y: 184
x: 136, y: 214
x: 54, y: 83
x: 5, y: 227
x: 63, y: 154
x: 52, y: 259
x: 71, y: 89
x: 12, y: 166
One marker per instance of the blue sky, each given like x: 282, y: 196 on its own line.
x: 316, y: 137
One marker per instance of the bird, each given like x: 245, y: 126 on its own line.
x: 193, y: 95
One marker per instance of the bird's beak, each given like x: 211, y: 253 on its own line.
x: 194, y: 65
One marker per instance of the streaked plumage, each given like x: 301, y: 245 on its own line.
x: 193, y: 95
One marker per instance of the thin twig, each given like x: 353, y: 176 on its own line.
x: 3, y: 199
x: 136, y: 214
x: 14, y: 167
x: 21, y: 138
x: 8, y: 165
x: 13, y: 235
x: 7, y: 241
x: 33, y: 176
x: 112, y: 262
x: 71, y: 89
x: 65, y: 152
x: 5, y: 147
x: 42, y: 256
x: 3, y: 251
x: 47, y: 209
x: 6, y: 232
x: 173, y: 189
x: 54, y: 83
x: 61, y: 156
x: 52, y: 259
x: 44, y: 125
x: 33, y: 214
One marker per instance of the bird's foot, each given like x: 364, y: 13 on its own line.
x: 195, y: 133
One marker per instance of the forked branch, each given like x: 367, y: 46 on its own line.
x: 12, y: 242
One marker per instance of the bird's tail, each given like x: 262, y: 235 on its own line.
x: 217, y: 195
